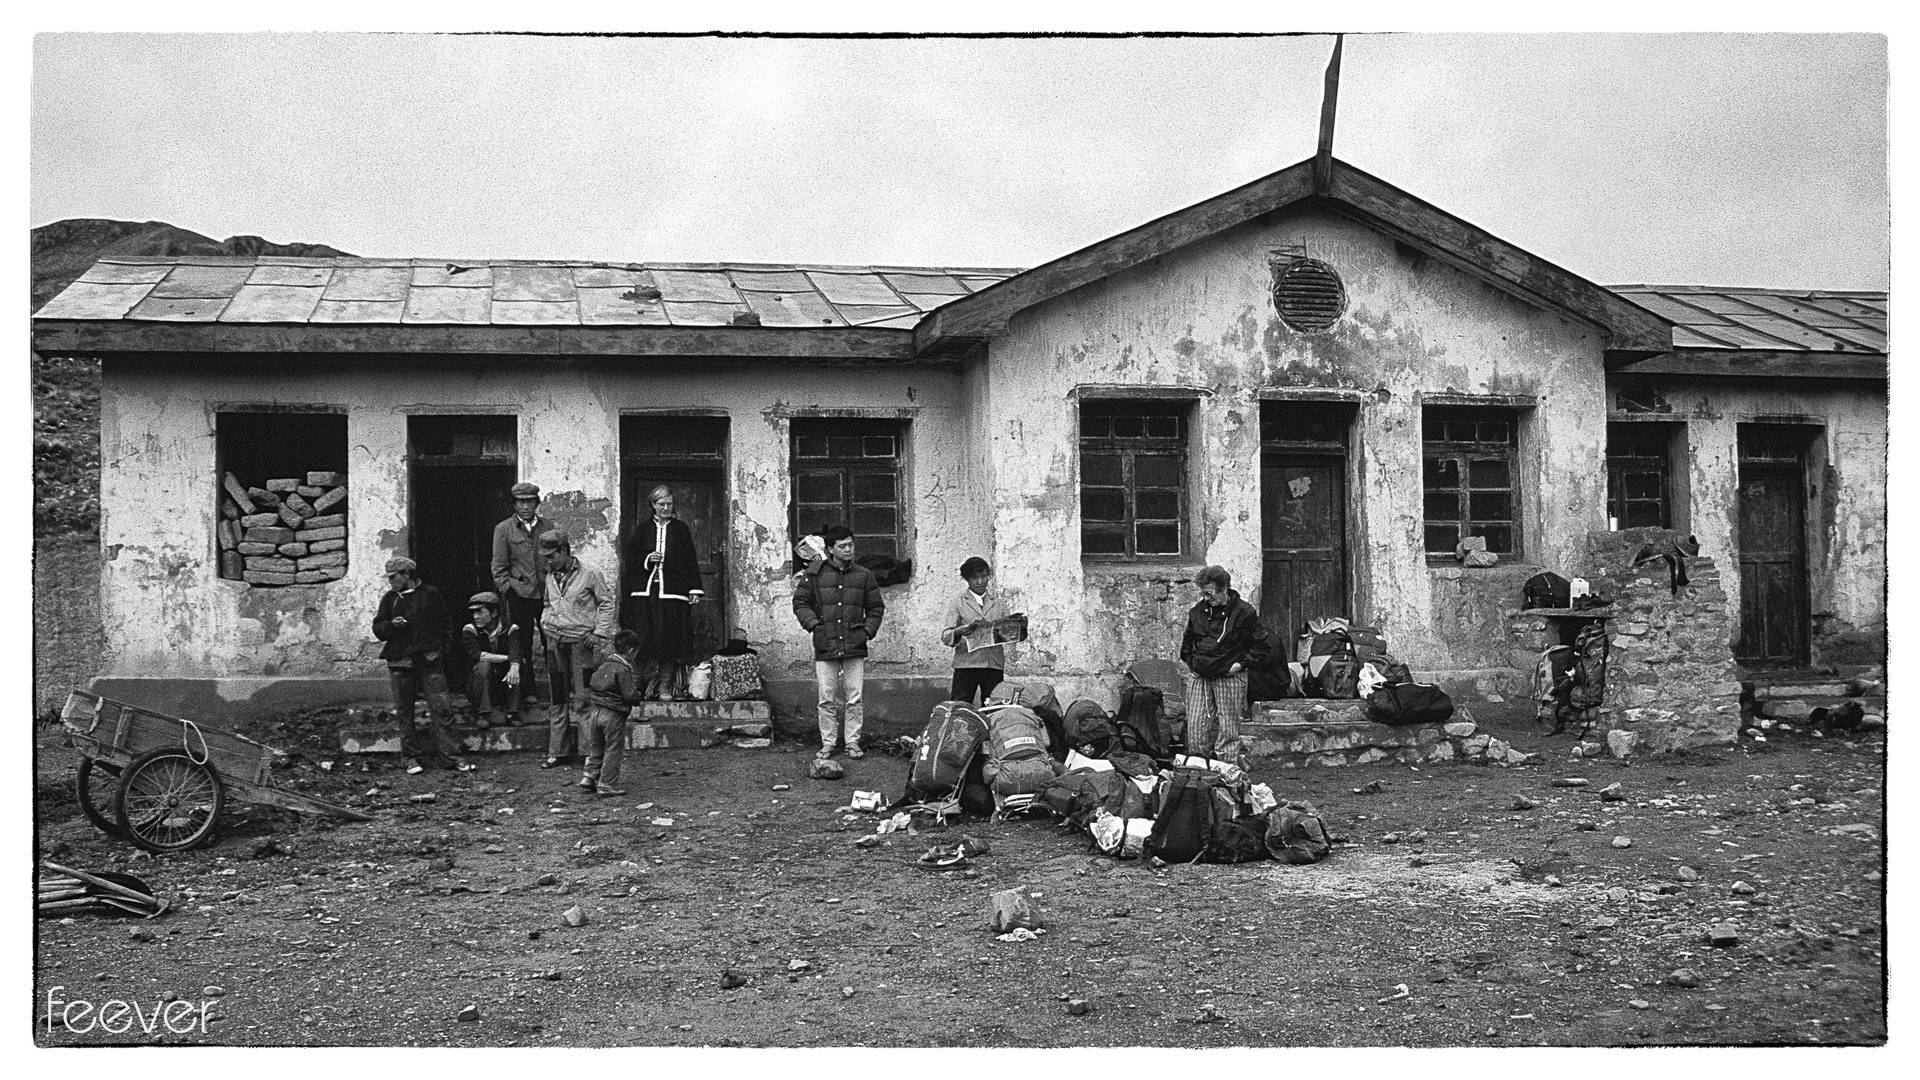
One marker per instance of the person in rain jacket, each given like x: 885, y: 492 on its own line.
x: 1224, y: 638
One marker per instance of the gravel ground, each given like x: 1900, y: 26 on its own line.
x: 1447, y: 918
x: 67, y: 639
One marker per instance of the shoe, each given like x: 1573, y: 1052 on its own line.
x: 414, y: 768
x: 856, y: 753
x: 550, y: 763
x: 587, y: 782
x: 608, y: 792
x: 824, y: 755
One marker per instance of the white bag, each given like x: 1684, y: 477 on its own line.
x: 1109, y: 832
x: 1260, y: 799
x: 1134, y: 844
x: 1076, y: 760
x: 700, y: 680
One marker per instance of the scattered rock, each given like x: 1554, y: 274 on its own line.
x: 826, y: 769
x: 846, y: 991
x: 1640, y: 1004
x: 1209, y: 1014
x: 1621, y: 743
x: 867, y: 841
x: 1374, y: 788
x: 270, y: 847
x: 1459, y: 729
x: 1553, y: 881
x: 441, y: 865
x: 783, y: 787
x: 1741, y: 888
x: 1623, y: 841
x: 1078, y: 1007
x: 546, y: 879
x: 213, y: 991
x: 1521, y: 802
x: 1687, y: 873
x: 1010, y: 909
x: 1684, y: 977
x: 732, y: 980
x: 1613, y: 793
x: 798, y: 965
x: 140, y: 933
x: 1390, y: 838
x: 574, y: 916
x: 1570, y: 781
x: 1585, y: 826
x: 424, y: 797
x: 1723, y: 935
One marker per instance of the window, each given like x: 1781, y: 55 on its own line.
x: 1639, y: 488
x: 1471, y: 455
x: 281, y: 487
x: 847, y: 472
x: 1133, y: 478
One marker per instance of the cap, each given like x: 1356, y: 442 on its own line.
x: 555, y: 538
x: 400, y: 564
x: 484, y: 599
x: 525, y: 491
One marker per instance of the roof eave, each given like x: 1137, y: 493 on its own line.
x: 1765, y: 364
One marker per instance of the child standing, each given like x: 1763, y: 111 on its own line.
x: 612, y: 692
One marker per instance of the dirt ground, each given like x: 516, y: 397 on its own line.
x: 1446, y: 918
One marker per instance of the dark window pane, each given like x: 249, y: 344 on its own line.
x: 1102, y: 540
x: 1095, y: 427
x: 873, y: 487
x: 1643, y: 485
x: 816, y: 487
x: 1156, y: 504
x: 1642, y: 515
x: 1499, y: 537
x: 1495, y: 431
x: 1490, y: 474
x: 1443, y: 506
x: 1101, y: 469
x: 1156, y: 470
x: 1163, y: 427
x: 874, y: 545
x: 1103, y: 504
x: 873, y: 520
x: 1491, y: 506
x: 1156, y: 539
x: 810, y: 446
x: 1443, y: 538
x: 844, y: 446
x: 812, y: 517
x: 878, y: 446
x: 1129, y: 427
x: 1443, y: 473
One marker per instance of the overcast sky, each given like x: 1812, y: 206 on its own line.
x: 1713, y: 159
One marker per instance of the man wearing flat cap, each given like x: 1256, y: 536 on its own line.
x: 579, y: 622
x: 412, y: 621
x: 494, y: 682
x: 519, y: 573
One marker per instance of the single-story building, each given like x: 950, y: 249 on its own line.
x: 1316, y: 380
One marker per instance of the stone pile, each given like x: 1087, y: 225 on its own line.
x: 292, y: 531
x: 1302, y: 733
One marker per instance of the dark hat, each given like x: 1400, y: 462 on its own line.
x: 555, y: 538
x: 400, y: 564
x: 484, y: 599
x: 525, y: 491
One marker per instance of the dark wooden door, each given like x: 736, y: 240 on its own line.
x: 700, y: 500
x: 1773, y: 565
x: 1303, y: 541
x: 460, y: 472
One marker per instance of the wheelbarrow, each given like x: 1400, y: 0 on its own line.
x: 162, y: 782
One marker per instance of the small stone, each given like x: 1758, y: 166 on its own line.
x: 732, y: 980
x: 140, y: 933
x: 1623, y: 841
x: 1521, y: 802
x: 547, y: 879
x: 1640, y: 1004
x: 1570, y: 781
x: 1585, y: 826
x: 1553, y: 881
x: 1723, y: 935
x: 1741, y: 888
x: 1460, y: 729
x: 213, y: 991
x: 441, y: 865
x: 846, y: 991
x: 493, y: 849
x: 574, y: 916
x: 1621, y: 743
x: 468, y: 1015
x: 783, y: 787
x: 1684, y: 977
x: 1613, y: 793
x: 533, y: 935
x: 1687, y: 873
x: 1390, y: 838
x: 1078, y: 1007
x: 798, y: 965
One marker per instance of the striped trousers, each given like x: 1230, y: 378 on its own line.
x: 1215, y: 708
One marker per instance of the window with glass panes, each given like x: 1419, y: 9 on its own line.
x: 1637, y: 475
x: 1471, y: 457
x: 1133, y: 478
x: 847, y: 472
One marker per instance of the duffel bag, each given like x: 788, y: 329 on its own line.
x: 1088, y: 728
x: 1241, y: 839
x: 1405, y: 704
x: 1026, y: 776
x: 1295, y: 834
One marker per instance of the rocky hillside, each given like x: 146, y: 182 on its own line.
x: 66, y: 392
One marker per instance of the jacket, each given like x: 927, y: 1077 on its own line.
x: 678, y: 576
x: 579, y: 605
x: 613, y: 685
x: 965, y: 608
x: 517, y: 565
x: 842, y: 608
x: 1218, y: 638
x: 425, y: 630
x: 501, y: 639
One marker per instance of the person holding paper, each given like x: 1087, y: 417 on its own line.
x: 978, y: 664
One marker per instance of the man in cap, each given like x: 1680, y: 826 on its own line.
x: 579, y: 623
x: 494, y: 681
x: 519, y: 574
x: 412, y: 621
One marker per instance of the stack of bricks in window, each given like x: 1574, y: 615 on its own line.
x: 290, y: 530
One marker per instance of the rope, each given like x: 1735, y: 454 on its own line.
x: 205, y: 752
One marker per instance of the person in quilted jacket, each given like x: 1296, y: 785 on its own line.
x: 1224, y: 638
x: 839, y: 602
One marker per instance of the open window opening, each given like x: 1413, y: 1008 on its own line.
x: 282, y: 496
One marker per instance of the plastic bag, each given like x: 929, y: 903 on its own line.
x: 1109, y: 832
x: 700, y: 680
x: 1135, y: 843
x: 1077, y: 760
x: 1260, y: 799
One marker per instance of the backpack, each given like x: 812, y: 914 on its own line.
x: 1086, y: 727
x: 1039, y: 699
x: 1547, y: 589
x: 1140, y: 726
x: 1295, y: 834
x: 1017, y: 761
x: 1410, y: 703
x: 1340, y: 674
x: 946, y: 748
x: 1589, y: 667
x: 1077, y: 795
x: 1552, y: 680
x: 1236, y: 840
x: 1023, y: 776
x: 1321, y: 647
x: 1192, y: 801
x: 1368, y: 641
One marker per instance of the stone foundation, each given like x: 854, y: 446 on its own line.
x: 655, y: 725
x: 1303, y: 733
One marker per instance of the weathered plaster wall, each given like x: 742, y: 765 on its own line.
x: 1847, y: 495
x: 1201, y: 321
x: 168, y: 615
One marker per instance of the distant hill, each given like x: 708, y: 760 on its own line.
x: 66, y: 393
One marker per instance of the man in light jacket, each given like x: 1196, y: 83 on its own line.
x: 839, y: 602
x: 519, y: 575
x: 975, y: 671
x: 1224, y: 638
x: 579, y: 623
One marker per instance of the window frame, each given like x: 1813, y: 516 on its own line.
x: 847, y: 467
x: 1130, y: 449
x: 229, y: 421
x: 1465, y: 452
x: 1656, y: 442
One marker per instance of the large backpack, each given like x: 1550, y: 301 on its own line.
x: 1547, y: 589
x: 1295, y: 833
x: 1589, y: 667
x: 1140, y: 725
x: 1406, y: 704
x: 1038, y: 698
x: 1368, y: 641
x: 1552, y: 683
x: 1088, y: 729
x: 1192, y: 801
x: 1017, y: 761
x: 1322, y: 647
x: 1079, y: 795
x: 946, y: 748
x: 1340, y: 675
x: 1241, y: 839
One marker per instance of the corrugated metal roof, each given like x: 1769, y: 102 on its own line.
x: 502, y: 292
x: 1817, y: 321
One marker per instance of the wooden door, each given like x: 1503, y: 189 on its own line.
x: 700, y: 500
x: 1773, y: 565
x: 460, y: 472
x: 1303, y: 541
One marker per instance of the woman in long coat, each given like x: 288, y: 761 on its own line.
x: 662, y: 547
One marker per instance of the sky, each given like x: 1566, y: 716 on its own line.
x: 1732, y: 159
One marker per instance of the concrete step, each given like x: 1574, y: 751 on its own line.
x: 1301, y: 732
x: 1775, y: 691
x: 654, y: 725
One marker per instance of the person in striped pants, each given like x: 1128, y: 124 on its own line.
x: 1224, y: 638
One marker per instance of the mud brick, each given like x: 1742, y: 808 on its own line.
x: 232, y: 565
x: 238, y: 492
x: 248, y: 547
x: 269, y: 564
x: 310, y: 577
x: 326, y: 479
x: 338, y: 532
x: 294, y: 550
x: 334, y: 497
x: 309, y: 492
x: 259, y: 521
x: 228, y: 510
x: 262, y: 577
x: 273, y: 536
x: 321, y: 562
x: 279, y: 487
x: 326, y: 521
x: 292, y: 519
x: 229, y: 535
x: 264, y: 499
x: 322, y: 546
x: 298, y: 505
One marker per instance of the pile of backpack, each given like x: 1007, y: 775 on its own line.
x: 1569, y: 681
x: 1116, y: 776
x: 1340, y: 660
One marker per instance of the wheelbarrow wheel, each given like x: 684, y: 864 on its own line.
x: 167, y: 801
x: 95, y: 784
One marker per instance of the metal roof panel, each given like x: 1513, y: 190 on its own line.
x: 364, y: 312
x: 178, y: 309
x: 611, y: 307
x: 202, y: 282
x: 448, y: 305
x: 775, y: 281
x: 551, y: 284
x: 924, y: 283
x: 1687, y: 337
x: 695, y: 286
x: 281, y: 274
x: 453, y: 275
x: 865, y: 289
x: 1780, y: 327
x: 684, y: 313
x: 535, y: 312
x: 95, y: 300
x: 379, y: 283
x: 870, y: 314
x: 273, y: 304
x: 793, y: 309
x: 596, y: 277
x: 106, y: 273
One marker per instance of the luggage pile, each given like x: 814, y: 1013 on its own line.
x: 1340, y: 660
x: 1114, y: 776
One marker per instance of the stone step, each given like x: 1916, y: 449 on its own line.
x: 1798, y: 708
x: 1306, y: 733
x: 655, y: 725
x: 1771, y: 691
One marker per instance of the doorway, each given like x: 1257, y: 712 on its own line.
x: 688, y: 455
x: 1772, y: 498
x: 1303, y: 515
x: 460, y: 470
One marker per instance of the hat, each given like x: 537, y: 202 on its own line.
x: 484, y: 599
x: 400, y: 564
x: 524, y: 491
x: 555, y: 538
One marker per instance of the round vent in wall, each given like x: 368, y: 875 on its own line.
x: 1308, y: 293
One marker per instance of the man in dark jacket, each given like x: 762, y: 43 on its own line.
x: 520, y: 573
x: 1224, y: 638
x: 839, y: 601
x: 412, y: 621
